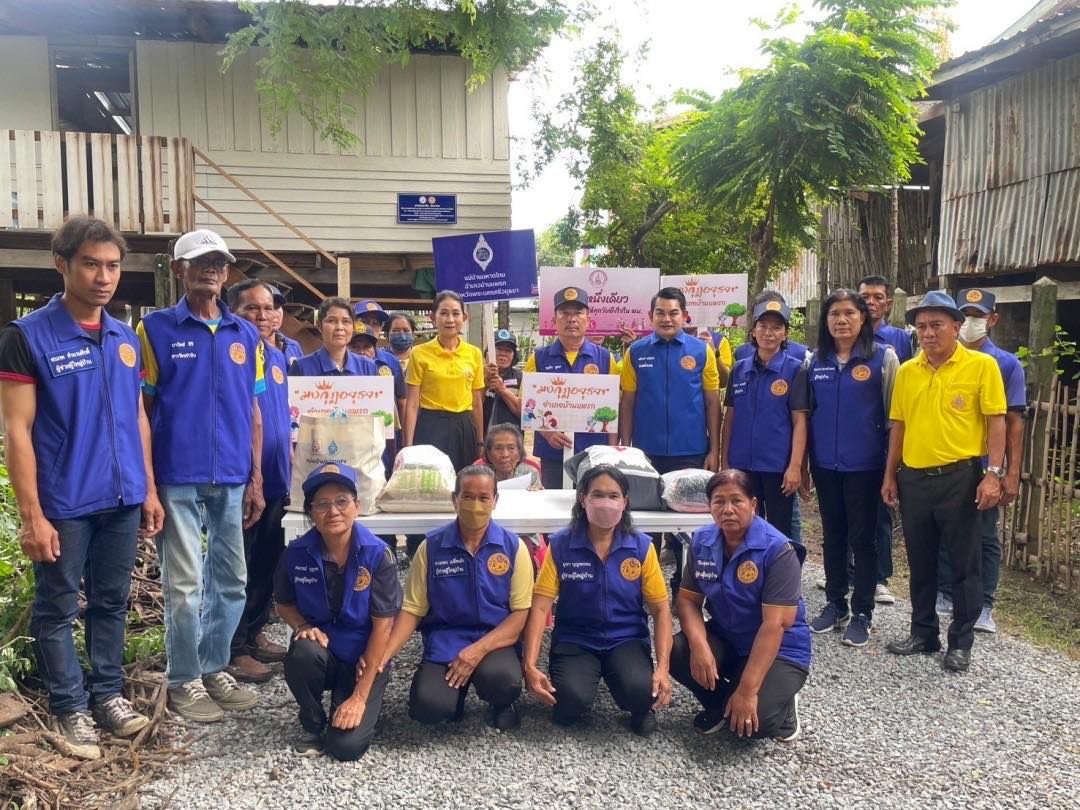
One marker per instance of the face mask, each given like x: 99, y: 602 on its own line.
x: 399, y: 342
x: 973, y: 329
x: 605, y: 514
x: 474, y: 515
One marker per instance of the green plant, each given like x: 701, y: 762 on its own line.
x: 145, y: 644
x: 16, y: 592
x: 1064, y: 351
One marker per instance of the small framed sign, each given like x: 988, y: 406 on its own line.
x: 427, y: 209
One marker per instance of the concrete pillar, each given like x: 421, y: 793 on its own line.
x: 1040, y: 376
x: 813, y: 312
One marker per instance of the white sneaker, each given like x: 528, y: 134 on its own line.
x: 882, y: 595
x: 986, y: 623
x: 798, y: 726
x: 820, y: 583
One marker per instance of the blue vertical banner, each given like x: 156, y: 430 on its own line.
x: 486, y: 267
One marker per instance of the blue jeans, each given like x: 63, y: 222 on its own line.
x: 101, y: 549
x: 204, y: 593
x: 990, y: 556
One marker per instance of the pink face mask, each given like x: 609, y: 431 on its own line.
x: 604, y: 513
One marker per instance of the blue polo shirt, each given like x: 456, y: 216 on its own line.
x: 1012, y: 374
x: 763, y: 397
x: 551, y: 359
x: 276, y: 443
x: 292, y: 349
x: 896, y: 337
x: 793, y: 348
x: 848, y: 427
x: 86, y: 424
x: 319, y: 364
x: 203, y: 378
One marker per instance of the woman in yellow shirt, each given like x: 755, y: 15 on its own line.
x: 444, y: 404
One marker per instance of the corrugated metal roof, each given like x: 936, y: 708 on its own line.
x: 798, y: 284
x: 1061, y: 228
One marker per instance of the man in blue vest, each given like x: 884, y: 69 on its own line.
x: 285, y: 344
x: 78, y: 454
x: 253, y: 301
x: 202, y: 374
x: 569, y: 353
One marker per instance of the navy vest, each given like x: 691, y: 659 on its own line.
x: 467, y: 596
x: 276, y: 444
x: 86, y: 426
x: 592, y: 359
x: 761, y: 430
x: 669, y: 406
x: 319, y: 364
x: 600, y: 603
x: 848, y: 432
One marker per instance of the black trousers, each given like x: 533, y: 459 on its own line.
x: 453, y: 433
x: 311, y: 671
x: 263, y: 545
x: 576, y: 672
x: 551, y: 471
x: 849, y: 512
x: 772, y: 503
x: 497, y: 680
x: 939, y: 511
x: 776, y: 698
x: 663, y: 465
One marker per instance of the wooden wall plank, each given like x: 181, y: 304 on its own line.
x: 452, y: 77
x: 78, y: 172
x: 428, y: 99
x: 103, y: 197
x: 377, y: 118
x: 170, y: 183
x: 191, y: 93
x: 219, y: 100
x: 479, y: 125
x: 127, y: 183
x: 500, y: 87
x: 26, y: 180
x: 299, y: 137
x: 5, y: 178
x: 240, y: 82
x: 402, y: 109
x: 165, y: 97
x: 52, y: 187
x: 153, y: 220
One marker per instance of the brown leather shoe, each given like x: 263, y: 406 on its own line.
x: 263, y: 649
x: 247, y: 669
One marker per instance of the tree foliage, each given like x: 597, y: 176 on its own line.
x: 831, y: 112
x: 556, y: 244
x: 318, y: 57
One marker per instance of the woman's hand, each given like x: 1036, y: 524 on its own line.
x: 792, y: 480
x: 460, y: 670
x: 703, y: 667
x: 661, y: 688
x: 538, y: 683
x: 741, y: 713
x: 350, y: 713
x: 313, y: 634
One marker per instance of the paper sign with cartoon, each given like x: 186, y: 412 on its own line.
x: 572, y: 403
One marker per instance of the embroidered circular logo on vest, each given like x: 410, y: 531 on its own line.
x: 630, y: 569
x: 570, y: 294
x: 385, y: 371
x: 238, y: 353
x: 278, y: 375
x: 747, y: 572
x: 973, y: 296
x: 860, y: 373
x: 498, y: 564
x: 363, y: 579
x: 592, y: 368
x: 773, y: 306
x: 779, y: 387
x: 127, y: 355
x: 689, y: 363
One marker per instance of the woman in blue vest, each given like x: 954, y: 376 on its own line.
x: 608, y: 580
x: 850, y: 381
x: 469, y: 589
x: 747, y: 664
x: 765, y: 418
x: 334, y: 358
x: 337, y: 588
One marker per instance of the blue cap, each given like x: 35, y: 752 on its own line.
x: 330, y: 474
x: 279, y: 299
x: 976, y: 298
x: 362, y: 330
x: 571, y: 295
x: 935, y: 299
x: 505, y: 336
x: 775, y: 307
x: 363, y: 308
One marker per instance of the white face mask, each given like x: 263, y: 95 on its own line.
x: 973, y: 329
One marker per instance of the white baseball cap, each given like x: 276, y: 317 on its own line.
x: 199, y: 243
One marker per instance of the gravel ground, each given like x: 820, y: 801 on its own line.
x: 878, y: 732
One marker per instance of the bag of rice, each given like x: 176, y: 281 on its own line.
x: 422, y: 481
x: 632, y: 462
x: 339, y: 439
x: 684, y: 490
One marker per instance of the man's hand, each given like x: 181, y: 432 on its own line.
x: 349, y: 714
x: 661, y: 688
x: 703, y: 667
x: 627, y: 336
x: 556, y: 439
x: 1010, y: 488
x: 153, y: 515
x: 889, y: 491
x: 712, y: 462
x: 253, y: 502
x: 792, y: 480
x: 460, y: 670
x: 741, y: 712
x: 988, y: 494
x: 313, y: 634
x: 540, y: 685
x: 493, y: 379
x: 39, y: 539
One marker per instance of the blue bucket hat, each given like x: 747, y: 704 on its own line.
x: 936, y: 299
x: 330, y: 474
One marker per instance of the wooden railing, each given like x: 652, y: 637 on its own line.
x: 139, y: 184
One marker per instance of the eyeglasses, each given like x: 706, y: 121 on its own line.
x: 341, y: 503
x: 211, y: 262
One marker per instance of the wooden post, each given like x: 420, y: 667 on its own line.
x: 898, y: 313
x: 344, y: 278
x: 1040, y: 376
x: 894, y: 236
x: 810, y: 325
x: 8, y: 311
x: 164, y: 289
x: 504, y: 314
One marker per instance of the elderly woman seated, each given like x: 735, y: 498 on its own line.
x: 504, y: 452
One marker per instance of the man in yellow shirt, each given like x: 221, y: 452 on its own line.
x: 948, y: 410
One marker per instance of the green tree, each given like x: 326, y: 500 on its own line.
x: 557, y: 243
x: 605, y: 416
x: 316, y: 56
x: 829, y: 113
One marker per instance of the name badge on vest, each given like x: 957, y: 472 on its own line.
x: 738, y: 389
x: 823, y: 374
x: 302, y: 574
x: 450, y: 567
x: 645, y: 361
x: 705, y: 570
x: 576, y: 572
x: 182, y: 350
x: 70, y: 361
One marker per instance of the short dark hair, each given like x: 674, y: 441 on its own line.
x: 876, y: 281
x: 394, y: 316
x: 729, y: 476
x: 328, y: 304
x: 475, y: 471
x: 443, y: 296
x: 504, y: 427
x: 77, y: 231
x: 578, y: 518
x: 669, y: 294
x: 769, y: 295
x: 232, y: 295
x: 864, y: 343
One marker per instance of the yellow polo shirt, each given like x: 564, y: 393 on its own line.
x: 653, y: 587
x: 447, y: 379
x: 416, y: 602
x: 944, y: 410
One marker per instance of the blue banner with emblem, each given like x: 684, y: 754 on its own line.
x: 486, y: 267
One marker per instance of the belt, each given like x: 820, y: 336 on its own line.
x: 946, y: 469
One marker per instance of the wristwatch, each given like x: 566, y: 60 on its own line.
x: 997, y: 472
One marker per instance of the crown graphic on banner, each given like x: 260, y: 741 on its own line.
x: 558, y: 381
x: 324, y: 386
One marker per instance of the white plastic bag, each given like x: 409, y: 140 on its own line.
x: 339, y: 439
x: 684, y: 490
x: 422, y: 481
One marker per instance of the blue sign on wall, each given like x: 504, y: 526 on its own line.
x: 427, y: 209
x: 483, y: 267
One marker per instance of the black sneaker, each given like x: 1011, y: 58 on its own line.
x: 643, y: 724
x: 77, y: 729
x: 117, y: 716
x: 858, y: 631
x: 830, y: 619
x: 505, y: 718
x: 305, y: 743
x: 709, y: 721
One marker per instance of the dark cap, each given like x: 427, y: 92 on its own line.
x: 362, y: 330
x: 571, y: 295
x: 363, y: 308
x: 982, y: 300
x: 279, y: 299
x: 330, y: 474
x: 935, y: 299
x: 505, y: 336
x: 774, y: 307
